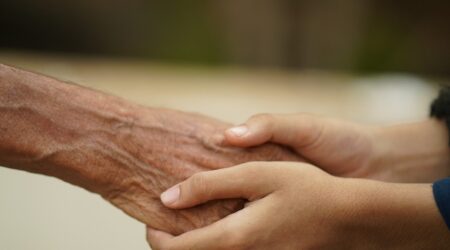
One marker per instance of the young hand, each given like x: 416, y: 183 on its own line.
x: 298, y: 206
x: 416, y: 152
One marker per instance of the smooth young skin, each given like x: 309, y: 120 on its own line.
x: 298, y: 206
x: 416, y: 152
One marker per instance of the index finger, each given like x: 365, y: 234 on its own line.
x: 249, y: 181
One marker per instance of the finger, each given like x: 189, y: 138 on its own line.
x: 209, y: 237
x: 292, y: 130
x: 156, y: 239
x: 236, y: 231
x: 249, y: 181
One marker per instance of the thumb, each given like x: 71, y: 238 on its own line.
x: 292, y: 130
x: 247, y: 181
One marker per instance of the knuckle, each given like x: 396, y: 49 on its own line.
x: 238, y: 240
x: 255, y: 167
x: 237, y: 237
x: 197, y: 183
x: 250, y: 167
x: 265, y: 118
x: 255, y: 172
x: 315, y: 125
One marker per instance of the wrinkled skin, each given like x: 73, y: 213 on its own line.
x: 126, y: 153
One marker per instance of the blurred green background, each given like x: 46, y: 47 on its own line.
x: 358, y: 36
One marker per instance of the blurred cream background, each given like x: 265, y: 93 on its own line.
x: 43, y: 213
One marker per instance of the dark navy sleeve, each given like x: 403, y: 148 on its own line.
x: 441, y: 192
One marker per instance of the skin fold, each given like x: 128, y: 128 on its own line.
x: 124, y: 152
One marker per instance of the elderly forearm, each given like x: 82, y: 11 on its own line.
x: 125, y: 152
x: 53, y: 128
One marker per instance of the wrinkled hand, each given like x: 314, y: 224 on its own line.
x: 125, y: 152
x: 298, y: 206
x: 159, y: 148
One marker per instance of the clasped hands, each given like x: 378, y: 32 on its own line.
x: 319, y: 196
x: 328, y: 202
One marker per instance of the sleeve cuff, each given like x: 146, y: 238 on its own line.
x: 441, y: 192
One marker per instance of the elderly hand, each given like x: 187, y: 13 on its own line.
x: 298, y: 206
x: 125, y: 152
x: 416, y: 152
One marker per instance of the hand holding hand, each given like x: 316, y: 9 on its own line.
x: 298, y: 206
x: 416, y: 152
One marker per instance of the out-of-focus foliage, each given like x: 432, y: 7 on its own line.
x: 353, y: 35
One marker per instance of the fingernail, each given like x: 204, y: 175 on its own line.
x: 239, y: 130
x: 171, y: 195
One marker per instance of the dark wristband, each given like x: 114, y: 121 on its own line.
x: 440, y: 108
